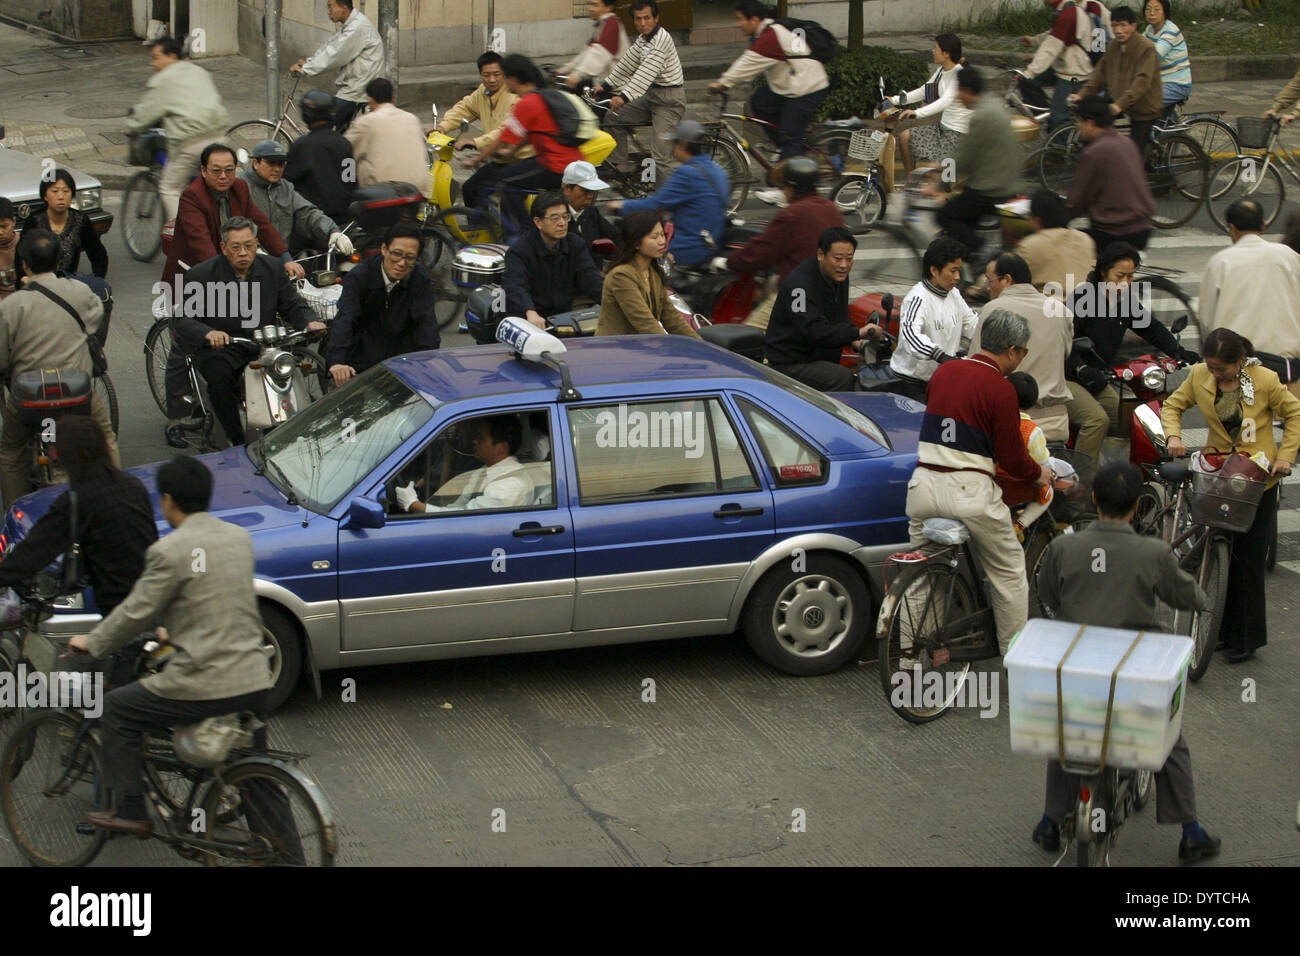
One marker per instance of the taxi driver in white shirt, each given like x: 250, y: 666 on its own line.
x: 502, y: 481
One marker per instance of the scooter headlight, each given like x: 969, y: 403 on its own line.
x: 282, y: 366
x: 1154, y: 378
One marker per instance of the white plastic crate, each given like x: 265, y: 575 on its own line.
x: 1150, y: 688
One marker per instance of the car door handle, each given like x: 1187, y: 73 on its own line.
x: 734, y: 512
x: 528, y: 530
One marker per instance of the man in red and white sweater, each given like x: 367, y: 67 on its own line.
x: 608, y: 43
x: 796, y: 82
x: 1062, y: 58
x: 972, y: 425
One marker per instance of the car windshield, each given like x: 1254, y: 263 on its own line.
x: 326, y: 449
x: 833, y: 406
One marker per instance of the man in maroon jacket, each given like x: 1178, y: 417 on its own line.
x: 972, y: 425
x: 215, y: 196
x: 1110, y: 185
x: 789, y: 239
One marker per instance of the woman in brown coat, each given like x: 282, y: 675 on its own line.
x: 635, y: 298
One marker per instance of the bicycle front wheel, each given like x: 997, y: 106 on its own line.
x: 1177, y: 172
x: 861, y: 201
x: 736, y: 165
x: 52, y: 776
x: 249, y: 133
x: 1217, y: 139
x: 1213, y: 579
x: 924, y: 599
x: 1245, y: 177
x: 261, y: 813
x: 142, y: 217
x: 157, y: 346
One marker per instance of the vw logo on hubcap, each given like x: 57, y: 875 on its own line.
x: 814, y: 617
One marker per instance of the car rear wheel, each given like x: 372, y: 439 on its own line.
x: 808, y: 616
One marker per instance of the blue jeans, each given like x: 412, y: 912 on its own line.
x: 1177, y: 92
x: 790, y: 114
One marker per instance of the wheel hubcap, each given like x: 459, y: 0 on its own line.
x: 812, y: 615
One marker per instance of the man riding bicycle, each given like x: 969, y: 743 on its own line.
x: 355, y: 51
x: 971, y: 426
x: 1121, y: 592
x: 1130, y: 73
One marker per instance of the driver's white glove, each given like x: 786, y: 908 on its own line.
x: 718, y: 264
x: 406, y: 496
x: 341, y: 243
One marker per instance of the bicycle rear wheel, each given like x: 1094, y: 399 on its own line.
x: 861, y: 201
x: 248, y: 134
x: 1213, y: 578
x: 923, y: 599
x: 1245, y: 177
x: 735, y: 164
x: 143, y: 216
x: 52, y: 776
x: 1217, y: 139
x: 157, y: 346
x: 263, y: 814
x: 103, y: 386
x: 1178, y: 172
x: 1093, y: 846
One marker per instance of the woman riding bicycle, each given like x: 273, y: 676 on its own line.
x: 938, y: 98
x: 1240, y: 400
x: 1171, y: 48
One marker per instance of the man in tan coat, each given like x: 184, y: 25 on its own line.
x: 199, y: 581
x: 1289, y: 96
x: 388, y: 143
x: 1051, y: 333
x: 1130, y: 72
x: 1059, y: 257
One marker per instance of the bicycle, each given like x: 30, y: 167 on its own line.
x: 1106, y: 793
x: 249, y: 133
x: 1254, y: 174
x: 250, y: 806
x: 1194, y: 512
x: 143, y: 211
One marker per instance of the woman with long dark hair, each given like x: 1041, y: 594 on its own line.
x: 115, y: 519
x: 1240, y: 400
x: 75, y: 232
x: 938, y: 97
x: 635, y: 297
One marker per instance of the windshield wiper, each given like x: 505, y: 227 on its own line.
x: 278, y: 473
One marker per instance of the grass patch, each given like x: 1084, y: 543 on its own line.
x: 1217, y: 29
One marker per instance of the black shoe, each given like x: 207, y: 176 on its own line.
x: 1238, y: 657
x: 1190, y: 850
x: 176, y: 437
x: 1048, y: 836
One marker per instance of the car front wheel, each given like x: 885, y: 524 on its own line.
x: 285, y: 655
x: 808, y: 616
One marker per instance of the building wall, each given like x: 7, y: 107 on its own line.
x: 75, y: 19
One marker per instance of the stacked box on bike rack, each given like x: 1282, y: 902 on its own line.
x: 1120, y: 699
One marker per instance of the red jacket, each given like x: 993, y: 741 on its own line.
x: 198, y: 226
x: 789, y: 239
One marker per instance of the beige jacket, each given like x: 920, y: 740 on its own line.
x: 489, y: 112
x: 184, y: 100
x: 635, y: 301
x: 36, y: 333
x: 388, y: 144
x: 198, y: 582
x: 1051, y: 333
x: 1253, y: 288
x: 1063, y: 257
x: 1290, y: 94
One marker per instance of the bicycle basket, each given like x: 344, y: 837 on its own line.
x: 324, y: 301
x: 143, y: 147
x: 1227, y: 503
x: 1253, y: 132
x: 866, y: 144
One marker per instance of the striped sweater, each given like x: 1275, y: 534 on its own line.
x: 1171, y: 47
x: 651, y: 61
x: 931, y: 323
x: 972, y: 422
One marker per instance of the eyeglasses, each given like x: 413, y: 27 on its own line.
x: 556, y: 220
x: 227, y: 171
x: 398, y: 257
x: 242, y: 246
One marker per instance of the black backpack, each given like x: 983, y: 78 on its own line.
x: 568, y: 118
x: 817, y: 39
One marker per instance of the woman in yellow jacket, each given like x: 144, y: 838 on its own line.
x: 635, y: 298
x: 1240, y: 400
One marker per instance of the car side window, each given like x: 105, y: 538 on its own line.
x: 791, y: 460
x: 496, y: 462
x: 657, y: 449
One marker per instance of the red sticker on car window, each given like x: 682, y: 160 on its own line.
x: 797, y: 472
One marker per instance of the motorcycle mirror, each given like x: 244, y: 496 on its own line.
x: 887, y: 303
x: 434, y: 108
x: 1180, y: 323
x: 1084, y: 344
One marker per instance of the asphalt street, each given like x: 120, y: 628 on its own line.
x: 566, y: 758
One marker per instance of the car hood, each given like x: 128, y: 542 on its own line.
x: 20, y: 173
x: 239, y: 496
x: 900, y: 417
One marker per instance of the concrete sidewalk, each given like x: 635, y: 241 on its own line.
x: 69, y: 102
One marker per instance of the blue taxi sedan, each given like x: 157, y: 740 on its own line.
x: 468, y: 502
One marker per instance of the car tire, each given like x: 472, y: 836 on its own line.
x: 280, y: 631
x: 797, y: 608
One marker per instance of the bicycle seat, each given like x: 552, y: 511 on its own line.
x: 1175, y: 472
x: 945, y: 530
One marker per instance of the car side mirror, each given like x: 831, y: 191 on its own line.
x: 363, y: 513
x: 1180, y: 323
